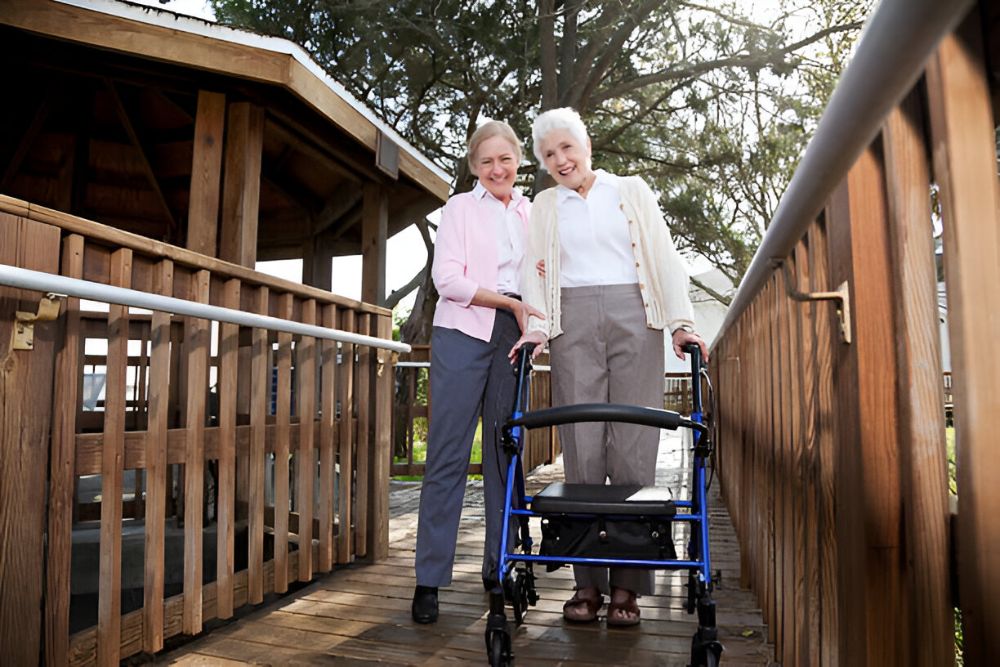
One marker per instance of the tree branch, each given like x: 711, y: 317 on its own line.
x: 718, y: 296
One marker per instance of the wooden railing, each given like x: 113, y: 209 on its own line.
x: 289, y: 435
x: 831, y: 411
x: 413, y: 410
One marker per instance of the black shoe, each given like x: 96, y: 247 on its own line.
x: 425, y: 604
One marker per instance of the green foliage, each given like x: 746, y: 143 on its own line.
x: 712, y: 107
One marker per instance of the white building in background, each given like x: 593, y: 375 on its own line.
x: 709, y: 313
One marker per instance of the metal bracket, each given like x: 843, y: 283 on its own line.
x: 24, y: 322
x: 842, y: 296
x: 380, y: 361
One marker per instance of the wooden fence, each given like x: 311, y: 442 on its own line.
x: 831, y: 412
x: 413, y: 409
x: 264, y: 453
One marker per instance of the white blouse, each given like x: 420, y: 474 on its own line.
x: 595, y: 246
x: 510, y: 242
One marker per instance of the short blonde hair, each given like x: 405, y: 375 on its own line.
x: 488, y: 130
x: 563, y: 118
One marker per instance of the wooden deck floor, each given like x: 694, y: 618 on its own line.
x: 360, y: 615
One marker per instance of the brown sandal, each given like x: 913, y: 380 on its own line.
x: 582, y: 610
x: 623, y: 614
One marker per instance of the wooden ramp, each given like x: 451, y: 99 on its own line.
x: 361, y: 614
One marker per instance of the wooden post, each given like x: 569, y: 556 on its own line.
x: 206, y: 173
x: 112, y: 460
x: 196, y: 344
x: 62, y: 478
x: 260, y: 386
x: 965, y: 167
x: 382, y: 447
x: 281, y: 449
x: 241, y: 194
x: 317, y: 270
x: 229, y: 342
x: 156, y: 463
x: 374, y: 232
x: 868, y: 479
x: 327, y: 442
x: 923, y: 453
x: 345, y: 395
x: 363, y: 446
x: 25, y: 398
x: 305, y: 366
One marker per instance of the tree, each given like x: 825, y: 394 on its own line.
x: 711, y: 107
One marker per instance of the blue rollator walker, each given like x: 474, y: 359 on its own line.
x: 599, y: 525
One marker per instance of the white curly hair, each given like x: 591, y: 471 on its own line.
x: 563, y: 118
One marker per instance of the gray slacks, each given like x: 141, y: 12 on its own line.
x: 607, y: 354
x: 468, y: 377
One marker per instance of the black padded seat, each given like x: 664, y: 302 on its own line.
x: 601, y: 499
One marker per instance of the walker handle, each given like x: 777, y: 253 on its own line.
x: 696, y: 365
x: 604, y: 412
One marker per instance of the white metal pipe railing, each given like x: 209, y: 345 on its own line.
x: 38, y: 281
x: 541, y: 368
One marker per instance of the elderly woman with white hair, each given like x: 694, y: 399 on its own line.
x: 609, y: 282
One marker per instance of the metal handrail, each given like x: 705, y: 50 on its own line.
x: 38, y: 281
x: 898, y: 39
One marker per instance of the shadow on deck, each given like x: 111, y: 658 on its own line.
x: 361, y: 614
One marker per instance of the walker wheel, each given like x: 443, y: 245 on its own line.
x: 519, y: 597
x: 498, y: 648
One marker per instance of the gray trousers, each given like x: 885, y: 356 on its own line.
x: 469, y: 377
x: 607, y: 354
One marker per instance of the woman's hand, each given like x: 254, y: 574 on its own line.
x: 540, y: 267
x: 682, y: 338
x: 522, y: 312
x: 536, y: 337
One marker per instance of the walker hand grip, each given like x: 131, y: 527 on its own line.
x: 600, y: 412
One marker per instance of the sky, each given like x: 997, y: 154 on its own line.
x: 406, y: 254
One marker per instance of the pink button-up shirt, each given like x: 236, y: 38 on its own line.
x: 465, y: 259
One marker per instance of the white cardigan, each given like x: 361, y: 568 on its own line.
x: 663, y: 280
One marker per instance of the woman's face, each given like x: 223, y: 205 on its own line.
x: 496, y: 166
x: 566, y: 159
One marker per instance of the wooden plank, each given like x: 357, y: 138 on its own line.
x: 206, y: 173
x: 962, y: 130
x: 378, y: 497
x: 241, y: 193
x: 374, y: 233
x: 156, y: 460
x: 921, y: 408
x: 327, y: 443
x: 345, y: 395
x: 868, y: 512
x: 62, y: 482
x: 362, y: 451
x: 281, y: 449
x: 196, y: 343
x: 260, y: 386
x: 824, y: 338
x: 229, y: 342
x: 305, y: 366
x: 109, y: 595
x: 25, y: 417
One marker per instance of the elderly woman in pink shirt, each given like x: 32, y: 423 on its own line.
x: 477, y: 267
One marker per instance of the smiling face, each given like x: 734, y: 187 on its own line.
x: 566, y: 159
x: 495, y: 164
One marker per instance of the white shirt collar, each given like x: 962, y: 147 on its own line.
x: 480, y: 191
x: 601, y: 178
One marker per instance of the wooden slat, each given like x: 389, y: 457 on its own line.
x: 206, y: 173
x: 382, y: 450
x: 374, y: 233
x: 305, y: 355
x: 921, y: 408
x: 281, y: 449
x: 25, y: 420
x: 327, y: 436
x: 66, y: 397
x: 362, y: 451
x: 345, y: 395
x: 156, y: 459
x: 109, y: 595
x: 962, y: 129
x: 229, y: 342
x: 825, y: 337
x: 196, y: 343
x: 260, y: 386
